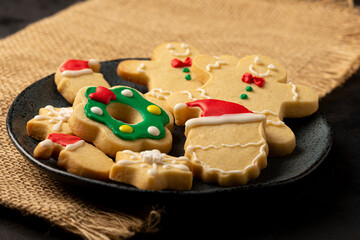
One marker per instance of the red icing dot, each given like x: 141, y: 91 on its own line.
x: 176, y: 63
x: 63, y: 139
x: 214, y: 107
x: 74, y: 65
x: 249, y: 78
x: 102, y: 94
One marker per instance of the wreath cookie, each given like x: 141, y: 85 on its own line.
x: 74, y: 74
x: 119, y: 118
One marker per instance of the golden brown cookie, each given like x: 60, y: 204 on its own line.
x: 152, y: 170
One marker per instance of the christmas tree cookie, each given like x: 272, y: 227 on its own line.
x: 258, y: 83
x: 225, y: 142
x: 74, y: 74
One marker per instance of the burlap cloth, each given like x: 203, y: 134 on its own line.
x: 318, y: 42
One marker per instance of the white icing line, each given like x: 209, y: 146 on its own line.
x: 61, y: 116
x: 224, y: 119
x: 74, y: 146
x: 257, y: 60
x: 278, y: 123
x: 71, y: 73
x: 203, y: 94
x: 141, y: 67
x: 153, y: 158
x: 185, y: 54
x: 191, y: 150
x: 216, y: 65
x: 46, y: 143
x: 159, y: 93
x: 296, y: 95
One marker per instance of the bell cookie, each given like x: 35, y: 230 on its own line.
x: 152, y: 170
x: 75, y: 155
x: 74, y: 74
x: 259, y: 84
x: 119, y: 118
x: 49, y: 120
x: 168, y: 71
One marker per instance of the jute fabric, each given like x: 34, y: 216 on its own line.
x: 318, y: 43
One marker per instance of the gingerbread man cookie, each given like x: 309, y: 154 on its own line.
x: 49, y: 120
x: 225, y: 141
x: 75, y: 155
x: 259, y: 84
x: 167, y: 72
x: 75, y: 74
x: 152, y: 170
x: 119, y: 118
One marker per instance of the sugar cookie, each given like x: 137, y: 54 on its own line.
x: 75, y: 74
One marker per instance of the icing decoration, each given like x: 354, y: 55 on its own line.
x: 46, y: 143
x: 191, y: 150
x: 243, y: 96
x: 121, y: 129
x: 96, y: 110
x: 103, y: 95
x: 249, y: 89
x: 141, y: 67
x: 186, y: 70
x: 183, y: 45
x: 176, y: 63
x: 296, y: 95
x: 216, y: 65
x: 159, y: 93
x: 127, y: 93
x: 202, y: 91
x: 70, y: 142
x: 188, y: 77
x: 249, y: 78
x: 60, y: 116
x: 257, y: 60
x: 74, y: 67
x: 154, y: 109
x: 153, y: 158
x: 216, y: 112
x: 271, y: 122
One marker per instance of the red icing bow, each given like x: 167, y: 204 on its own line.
x: 102, y: 94
x: 176, y: 63
x: 249, y: 78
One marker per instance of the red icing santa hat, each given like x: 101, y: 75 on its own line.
x: 70, y: 142
x: 216, y: 112
x: 74, y: 67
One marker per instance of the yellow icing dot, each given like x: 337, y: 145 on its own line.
x: 154, y: 109
x: 126, y: 129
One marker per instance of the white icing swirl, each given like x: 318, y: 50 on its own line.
x: 60, y: 116
x: 215, y: 65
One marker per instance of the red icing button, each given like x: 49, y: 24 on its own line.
x: 74, y: 65
x: 102, y: 94
x: 176, y: 63
x: 214, y: 107
x: 63, y: 139
x: 249, y: 78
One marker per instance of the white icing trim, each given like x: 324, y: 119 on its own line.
x: 159, y: 93
x: 278, y: 123
x: 180, y: 106
x: 296, y: 95
x: 61, y: 116
x: 199, y: 89
x: 153, y: 158
x: 191, y: 150
x: 46, y: 143
x: 141, y: 67
x: 216, y: 65
x: 169, y: 46
x: 76, y: 73
x: 224, y: 119
x: 93, y: 62
x: 183, y: 45
x: 257, y: 60
x: 73, y: 146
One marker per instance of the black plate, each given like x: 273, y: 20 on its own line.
x: 313, y: 136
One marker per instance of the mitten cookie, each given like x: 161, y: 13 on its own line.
x: 167, y: 72
x: 75, y: 74
x: 75, y: 155
x: 120, y: 118
x: 49, y: 120
x: 258, y: 83
x: 225, y: 141
x: 152, y: 170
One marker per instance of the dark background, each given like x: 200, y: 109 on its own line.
x: 323, y: 205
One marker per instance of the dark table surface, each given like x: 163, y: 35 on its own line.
x: 323, y: 205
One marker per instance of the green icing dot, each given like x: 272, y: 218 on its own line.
x: 188, y: 77
x: 249, y: 88
x: 186, y: 70
x: 243, y: 96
